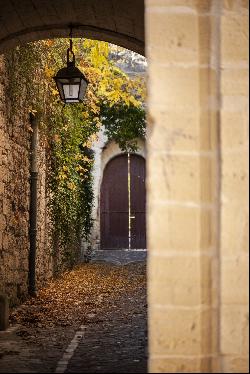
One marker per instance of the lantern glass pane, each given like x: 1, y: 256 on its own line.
x: 60, y: 89
x: 83, y: 88
x: 71, y: 91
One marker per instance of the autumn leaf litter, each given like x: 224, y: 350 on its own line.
x: 87, y: 294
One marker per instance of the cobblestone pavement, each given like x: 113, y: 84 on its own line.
x: 115, y: 338
x: 119, y: 257
x: 114, y: 345
x: 30, y: 350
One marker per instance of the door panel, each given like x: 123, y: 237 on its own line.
x: 115, y: 204
x: 138, y: 202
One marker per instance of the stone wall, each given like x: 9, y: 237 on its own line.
x: 234, y: 186
x: 14, y: 205
x: 14, y: 202
x: 197, y: 185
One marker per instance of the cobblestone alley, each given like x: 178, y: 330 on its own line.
x: 90, y: 320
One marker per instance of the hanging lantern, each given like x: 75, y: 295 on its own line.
x: 70, y: 81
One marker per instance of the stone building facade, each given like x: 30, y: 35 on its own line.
x: 197, y: 154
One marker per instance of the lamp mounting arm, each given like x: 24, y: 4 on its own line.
x: 70, y: 49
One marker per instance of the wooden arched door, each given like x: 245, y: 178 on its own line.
x: 123, y: 203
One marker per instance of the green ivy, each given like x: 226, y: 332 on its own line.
x: 124, y: 124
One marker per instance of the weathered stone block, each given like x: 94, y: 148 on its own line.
x: 235, y: 82
x: 179, y: 331
x: 234, y: 229
x: 174, y: 365
x: 235, y: 35
x: 174, y: 226
x: 174, y: 87
x: 235, y: 176
x: 235, y: 275
x: 231, y: 329
x: 234, y: 130
x: 169, y: 130
x: 236, y: 364
x: 179, y: 281
x: 177, y: 42
x: 176, y: 176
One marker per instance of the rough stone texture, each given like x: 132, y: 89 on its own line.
x: 14, y: 202
x: 14, y: 205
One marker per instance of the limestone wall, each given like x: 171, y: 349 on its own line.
x: 14, y: 205
x: 197, y: 185
x: 234, y: 186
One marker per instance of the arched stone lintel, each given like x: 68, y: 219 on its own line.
x: 62, y: 31
x: 112, y: 150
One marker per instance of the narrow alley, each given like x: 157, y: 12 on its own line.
x: 92, y: 319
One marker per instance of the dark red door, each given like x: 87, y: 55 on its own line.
x: 138, y: 202
x: 114, y: 205
x: 123, y: 212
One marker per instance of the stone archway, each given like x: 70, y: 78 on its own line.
x: 118, y: 22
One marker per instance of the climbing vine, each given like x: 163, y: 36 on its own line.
x: 68, y: 132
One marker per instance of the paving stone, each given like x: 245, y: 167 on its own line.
x: 119, y: 257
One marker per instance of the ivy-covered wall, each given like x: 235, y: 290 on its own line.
x: 15, y: 139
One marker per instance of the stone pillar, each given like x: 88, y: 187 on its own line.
x: 4, y: 313
x: 234, y: 267
x: 183, y: 184
x: 198, y: 197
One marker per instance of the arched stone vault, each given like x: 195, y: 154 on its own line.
x: 118, y: 22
